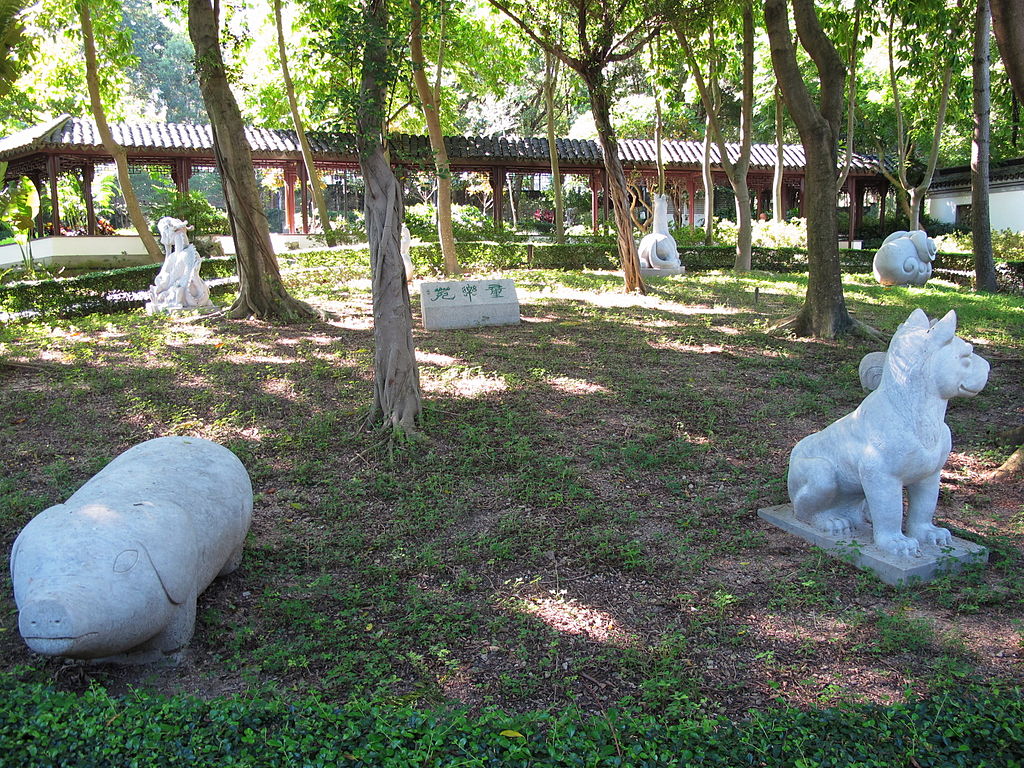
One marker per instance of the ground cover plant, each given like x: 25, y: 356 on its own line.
x: 577, y: 527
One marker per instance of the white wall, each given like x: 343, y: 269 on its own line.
x: 1006, y: 206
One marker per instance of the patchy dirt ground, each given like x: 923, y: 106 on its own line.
x: 576, y: 524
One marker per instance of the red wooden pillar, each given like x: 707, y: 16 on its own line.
x: 498, y: 196
x: 181, y: 172
x: 691, y: 201
x: 90, y: 208
x: 604, y: 197
x: 304, y: 186
x: 851, y: 186
x: 53, y: 169
x: 859, y: 223
x: 800, y: 210
x: 595, y: 202
x: 289, y: 200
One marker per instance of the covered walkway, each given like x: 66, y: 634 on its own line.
x: 70, y: 145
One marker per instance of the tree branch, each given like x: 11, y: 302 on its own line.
x: 783, y: 51
x: 546, y: 45
x: 831, y: 70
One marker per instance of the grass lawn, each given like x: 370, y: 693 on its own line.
x: 577, y: 529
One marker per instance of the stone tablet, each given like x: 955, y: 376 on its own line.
x: 468, y: 304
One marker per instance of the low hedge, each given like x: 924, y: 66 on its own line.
x: 112, y: 290
x: 117, y: 289
x: 42, y: 727
x: 514, y: 255
x: 604, y: 255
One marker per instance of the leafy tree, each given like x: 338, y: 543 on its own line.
x: 117, y: 48
x: 735, y: 169
x: 430, y: 103
x: 161, y: 72
x: 16, y: 47
x: 307, y: 153
x: 360, y: 43
x: 599, y: 33
x: 981, y: 227
x: 550, y: 119
x: 824, y: 312
x: 261, y: 293
x: 928, y: 68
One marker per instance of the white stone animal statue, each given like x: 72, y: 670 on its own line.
x: 405, y: 246
x: 178, y: 284
x: 113, y: 573
x: 855, y: 470
x: 173, y: 234
x: 870, y: 370
x: 658, y: 249
x: 904, y: 258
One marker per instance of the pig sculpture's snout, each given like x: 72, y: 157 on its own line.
x: 48, y: 626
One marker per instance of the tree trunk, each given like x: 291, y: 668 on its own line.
x: 824, y: 312
x: 307, y: 153
x: 430, y: 101
x: 261, y: 293
x: 616, y: 188
x: 778, y: 204
x: 981, y: 228
x: 550, y: 80
x: 1008, y: 25
x: 709, y: 184
x: 115, y: 150
x: 1010, y: 468
x: 396, y: 395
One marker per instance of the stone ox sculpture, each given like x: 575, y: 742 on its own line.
x: 855, y: 469
x: 904, y: 258
x: 178, y: 284
x: 113, y: 573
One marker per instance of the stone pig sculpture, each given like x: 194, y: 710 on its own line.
x: 855, y: 469
x: 113, y: 573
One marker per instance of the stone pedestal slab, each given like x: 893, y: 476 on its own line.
x: 859, y: 549
x: 663, y: 272
x: 468, y: 304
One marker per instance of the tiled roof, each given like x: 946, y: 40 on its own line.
x: 959, y: 177
x: 73, y: 133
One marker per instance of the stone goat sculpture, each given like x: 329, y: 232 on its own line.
x: 904, y: 258
x: 658, y: 249
x: 405, y: 245
x: 113, y: 573
x: 178, y: 284
x: 855, y: 470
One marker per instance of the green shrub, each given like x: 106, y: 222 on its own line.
x: 113, y: 290
x: 518, y: 255
x: 1007, y: 245
x: 43, y: 727
x: 468, y: 223
x: 195, y: 209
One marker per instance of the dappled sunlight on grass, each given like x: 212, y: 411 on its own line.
x: 614, y: 448
x: 567, y: 615
x: 461, y: 382
x: 571, y: 386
